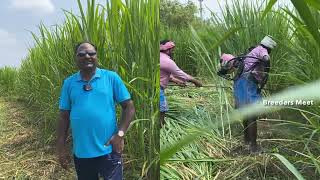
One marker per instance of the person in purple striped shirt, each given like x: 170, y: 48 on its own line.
x: 247, y: 87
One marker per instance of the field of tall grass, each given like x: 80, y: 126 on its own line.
x: 203, y: 136
x: 8, y: 79
x: 126, y: 34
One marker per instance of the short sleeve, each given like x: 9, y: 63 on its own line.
x: 263, y: 52
x: 64, y: 102
x: 120, y: 92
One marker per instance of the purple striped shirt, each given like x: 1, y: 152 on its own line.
x: 258, y: 71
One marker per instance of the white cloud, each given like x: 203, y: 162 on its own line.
x: 36, y: 6
x: 12, y: 51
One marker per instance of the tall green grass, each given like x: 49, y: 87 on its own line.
x: 293, y: 146
x: 127, y: 38
x: 245, y: 19
x: 242, y: 25
x: 8, y: 81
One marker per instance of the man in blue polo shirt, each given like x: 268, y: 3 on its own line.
x: 88, y: 103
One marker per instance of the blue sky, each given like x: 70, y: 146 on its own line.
x: 213, y: 5
x: 18, y: 17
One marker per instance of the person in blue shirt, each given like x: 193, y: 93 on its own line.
x: 88, y: 104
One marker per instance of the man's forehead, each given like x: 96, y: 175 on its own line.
x: 85, y: 46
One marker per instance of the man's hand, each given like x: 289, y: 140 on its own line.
x: 126, y: 118
x: 182, y: 84
x: 63, y: 126
x: 117, y: 143
x: 127, y: 114
x: 196, y: 82
x: 63, y: 157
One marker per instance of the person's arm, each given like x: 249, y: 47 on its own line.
x: 266, y: 58
x: 62, y: 134
x: 177, y: 72
x: 178, y: 81
x: 121, y: 96
x: 127, y: 115
x: 63, y: 125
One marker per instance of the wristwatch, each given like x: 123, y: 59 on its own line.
x: 120, y: 133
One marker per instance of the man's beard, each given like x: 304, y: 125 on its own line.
x: 87, y: 66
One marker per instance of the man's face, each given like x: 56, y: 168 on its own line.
x: 86, y: 57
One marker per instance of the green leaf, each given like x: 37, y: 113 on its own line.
x: 268, y: 8
x: 307, y: 17
x: 314, y: 3
x: 289, y: 166
x: 169, y: 151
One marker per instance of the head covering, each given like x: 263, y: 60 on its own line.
x: 225, y: 58
x: 268, y: 42
x: 226, y: 64
x: 166, y: 46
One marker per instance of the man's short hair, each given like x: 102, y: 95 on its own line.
x: 82, y: 42
x: 164, y: 41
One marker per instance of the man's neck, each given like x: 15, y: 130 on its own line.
x: 87, y: 74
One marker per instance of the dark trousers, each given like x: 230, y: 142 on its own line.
x: 108, y: 167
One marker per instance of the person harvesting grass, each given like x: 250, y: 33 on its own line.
x: 169, y: 71
x: 250, y: 79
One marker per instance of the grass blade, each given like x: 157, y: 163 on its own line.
x: 289, y: 166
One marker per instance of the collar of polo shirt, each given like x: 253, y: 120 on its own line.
x: 96, y: 75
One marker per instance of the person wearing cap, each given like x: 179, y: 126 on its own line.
x: 247, y: 88
x: 169, y: 71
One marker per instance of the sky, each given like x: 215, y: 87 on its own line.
x: 213, y: 5
x: 19, y: 17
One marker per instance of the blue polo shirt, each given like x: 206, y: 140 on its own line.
x: 93, y: 113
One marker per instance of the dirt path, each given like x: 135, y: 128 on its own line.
x: 22, y: 155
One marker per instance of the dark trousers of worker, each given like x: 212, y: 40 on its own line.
x: 250, y: 130
x: 109, y: 167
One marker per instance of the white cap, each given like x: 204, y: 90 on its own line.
x: 268, y: 42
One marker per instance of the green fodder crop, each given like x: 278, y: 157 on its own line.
x: 127, y: 38
x: 242, y: 21
x: 193, y: 144
x: 182, y: 39
x: 215, y: 156
x: 8, y: 80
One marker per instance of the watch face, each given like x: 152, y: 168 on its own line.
x: 120, y: 133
